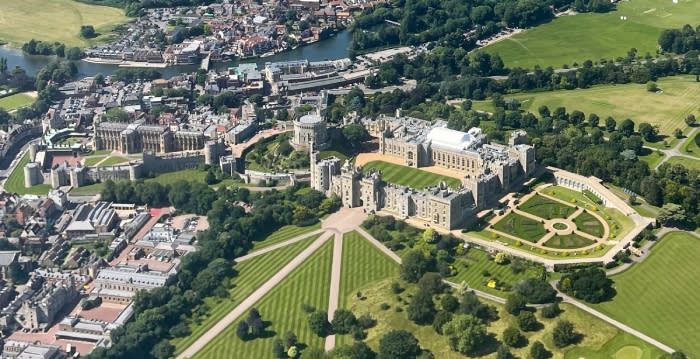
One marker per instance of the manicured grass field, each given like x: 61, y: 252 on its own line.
x: 308, y: 284
x: 569, y: 241
x: 114, y: 160
x: 251, y: 275
x: 652, y: 158
x: 91, y: 161
x: 409, y: 176
x: 521, y: 227
x: 283, y: 234
x: 55, y: 20
x: 586, y: 223
x: 687, y: 162
x: 570, y: 39
x: 15, y: 101
x: 666, y: 110
x: 15, y: 182
x: 546, y: 208
x: 659, y: 296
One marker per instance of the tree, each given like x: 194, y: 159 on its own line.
x: 343, y: 321
x: 355, y: 134
x: 538, y: 351
x: 414, y: 265
x: 290, y: 339
x: 278, y: 349
x: 318, y: 322
x: 449, y: 303
x: 647, y: 131
x: 465, y: 333
x: 593, y: 120
x: 74, y: 53
x: 689, y: 120
x: 527, y: 321
x: 652, y: 87
x: 429, y: 235
x: 536, y: 291
x: 678, y: 133
x: 421, y: 310
x: 512, y: 336
x: 564, y: 334
x: 441, y: 318
x: 610, y: 124
x: 242, y: 330
x: 116, y: 114
x: 431, y: 283
x: 357, y: 350
x: 551, y: 311
x: 501, y: 258
x: 627, y: 127
x: 87, y: 31
x: 3, y: 66
x: 589, y: 284
x: 503, y: 352
x: 672, y: 215
x: 678, y: 355
x: 163, y: 350
x: 255, y: 323
x: 515, y: 303
x: 292, y: 352
x: 398, y: 344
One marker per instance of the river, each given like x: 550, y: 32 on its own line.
x: 333, y: 48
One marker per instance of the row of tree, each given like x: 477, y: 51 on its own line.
x: 38, y: 47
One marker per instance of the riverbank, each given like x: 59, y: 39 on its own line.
x: 122, y: 63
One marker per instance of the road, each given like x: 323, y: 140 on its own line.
x: 258, y: 294
x: 334, y: 293
x: 675, y: 150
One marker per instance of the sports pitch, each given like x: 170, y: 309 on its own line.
x: 679, y: 97
x: 54, y: 20
x: 570, y: 39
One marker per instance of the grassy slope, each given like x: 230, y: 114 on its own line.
x: 308, y: 284
x: 251, y: 275
x: 283, y: 234
x: 408, y: 176
x: 600, y: 340
x: 666, y: 110
x: 55, y: 20
x: 687, y: 162
x: 674, y: 316
x: 15, y: 182
x: 15, y: 101
x: 570, y: 39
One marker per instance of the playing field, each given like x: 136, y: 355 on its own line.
x: 282, y: 307
x: 55, y: 20
x: 667, y: 110
x: 251, y: 275
x: 409, y: 176
x: 546, y: 208
x: 15, y: 101
x: 521, y: 227
x: 659, y: 296
x: 570, y: 39
x: 15, y: 182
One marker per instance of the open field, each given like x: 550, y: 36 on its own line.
x: 15, y: 101
x: 600, y: 340
x: 251, y: 275
x: 15, y: 182
x: 666, y: 110
x: 659, y: 296
x: 546, y: 208
x: 587, y: 223
x: 570, y: 39
x: 569, y: 241
x: 521, y: 227
x: 114, y: 160
x: 55, y: 20
x: 409, y: 176
x: 282, y: 306
x: 93, y: 160
x: 651, y: 157
x: 690, y: 147
x: 687, y: 162
x: 283, y: 234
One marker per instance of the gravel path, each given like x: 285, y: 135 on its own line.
x: 333, y: 298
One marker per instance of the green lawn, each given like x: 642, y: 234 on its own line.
x: 409, y: 176
x: 92, y: 161
x: 251, y: 275
x: 666, y: 110
x: 55, y: 20
x: 569, y: 241
x: 94, y: 188
x: 15, y: 101
x: 587, y: 223
x: 570, y: 39
x: 114, y: 160
x: 659, y: 296
x: 15, y: 182
x: 546, y: 208
x: 687, y: 162
x: 283, y: 234
x: 471, y: 267
x: 651, y: 157
x: 521, y: 227
x: 690, y: 147
x: 282, y: 306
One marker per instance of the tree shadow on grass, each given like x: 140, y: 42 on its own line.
x: 267, y: 333
x: 490, y: 345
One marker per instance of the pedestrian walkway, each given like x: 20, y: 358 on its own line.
x: 334, y: 294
